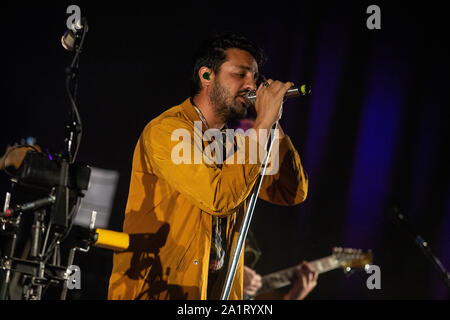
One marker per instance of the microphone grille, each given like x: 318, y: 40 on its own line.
x: 250, y: 97
x: 305, y: 89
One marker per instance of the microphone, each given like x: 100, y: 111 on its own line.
x: 293, y: 92
x: 71, y: 35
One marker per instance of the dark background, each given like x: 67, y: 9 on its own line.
x: 373, y: 133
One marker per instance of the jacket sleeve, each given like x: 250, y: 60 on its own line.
x: 288, y: 186
x: 215, y: 190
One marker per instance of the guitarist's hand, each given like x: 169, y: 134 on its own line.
x: 252, y: 281
x: 302, y: 285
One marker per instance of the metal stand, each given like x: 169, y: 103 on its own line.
x: 243, y: 228
x: 401, y: 219
x: 7, y: 266
x: 42, y: 268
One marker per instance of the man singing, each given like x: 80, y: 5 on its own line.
x: 181, y: 217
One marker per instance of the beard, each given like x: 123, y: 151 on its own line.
x: 226, y: 106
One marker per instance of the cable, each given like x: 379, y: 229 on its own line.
x: 63, y: 236
x: 72, y: 97
x: 75, y: 210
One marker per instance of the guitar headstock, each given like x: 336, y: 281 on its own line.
x: 350, y: 258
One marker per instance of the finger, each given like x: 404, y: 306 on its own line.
x: 308, y: 267
x: 264, y: 85
x: 300, y: 271
x: 304, y: 282
x: 311, y: 277
x: 282, y: 86
x: 313, y: 283
x: 288, y: 85
x: 316, y: 275
x: 255, y: 282
x: 259, y: 89
x: 250, y: 291
x: 255, y: 288
x: 276, y: 86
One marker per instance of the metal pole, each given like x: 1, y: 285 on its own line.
x: 69, y: 263
x: 243, y: 229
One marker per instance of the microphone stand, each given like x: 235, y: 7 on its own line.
x: 245, y: 224
x: 423, y: 246
x: 60, y: 212
x: 40, y: 250
x: 75, y: 127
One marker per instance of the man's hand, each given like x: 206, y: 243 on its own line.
x: 252, y: 281
x: 302, y: 285
x: 268, y: 105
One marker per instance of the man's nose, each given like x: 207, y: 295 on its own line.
x: 250, y: 84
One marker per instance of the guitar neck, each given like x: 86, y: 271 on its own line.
x: 283, y: 278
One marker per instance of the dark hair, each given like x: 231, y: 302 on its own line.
x: 211, y: 54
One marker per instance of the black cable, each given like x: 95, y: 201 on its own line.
x: 75, y: 210
x: 63, y: 236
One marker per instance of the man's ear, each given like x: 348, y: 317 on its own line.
x: 206, y: 75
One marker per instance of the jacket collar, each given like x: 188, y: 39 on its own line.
x: 188, y: 108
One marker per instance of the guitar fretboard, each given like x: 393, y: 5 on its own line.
x: 283, y: 278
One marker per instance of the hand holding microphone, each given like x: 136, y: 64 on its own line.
x: 268, y: 105
x: 268, y: 100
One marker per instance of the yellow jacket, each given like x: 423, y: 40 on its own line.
x: 169, y: 210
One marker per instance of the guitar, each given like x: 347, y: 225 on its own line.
x: 345, y: 258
